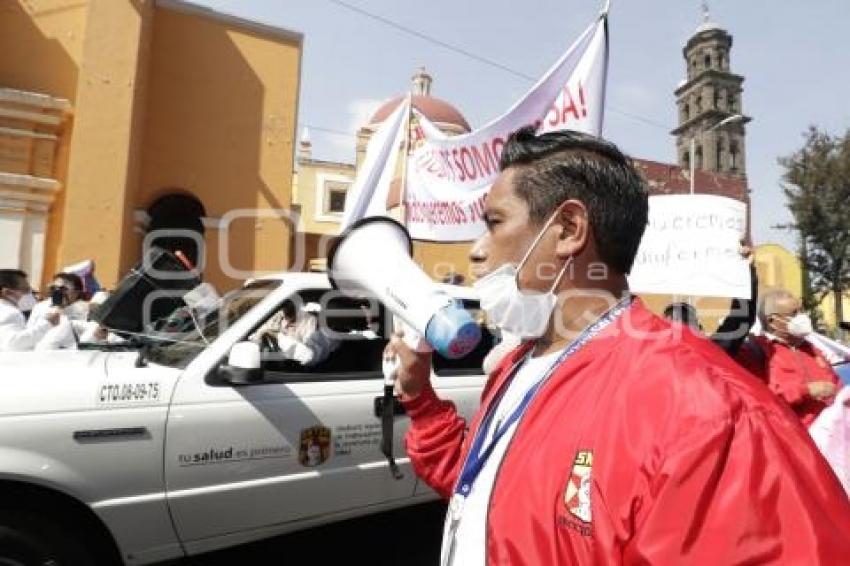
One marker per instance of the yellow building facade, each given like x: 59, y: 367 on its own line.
x: 124, y: 122
x: 778, y: 267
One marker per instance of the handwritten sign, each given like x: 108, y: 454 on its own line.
x: 692, y: 247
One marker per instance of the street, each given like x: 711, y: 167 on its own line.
x: 408, y: 536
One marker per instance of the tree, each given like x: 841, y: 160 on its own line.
x: 817, y: 186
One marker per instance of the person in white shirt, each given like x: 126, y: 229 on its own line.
x: 66, y: 295
x: 93, y: 330
x: 298, y: 338
x: 16, y: 298
x: 301, y: 339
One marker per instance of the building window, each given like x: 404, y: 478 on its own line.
x: 686, y: 112
x: 686, y: 160
x: 708, y: 61
x: 733, y: 156
x: 336, y: 200
x: 698, y: 157
x: 331, y: 191
x: 699, y: 104
x: 730, y: 101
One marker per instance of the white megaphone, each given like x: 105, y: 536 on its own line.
x: 373, y: 258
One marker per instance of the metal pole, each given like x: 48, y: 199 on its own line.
x: 405, y: 153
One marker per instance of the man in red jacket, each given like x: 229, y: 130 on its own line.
x: 781, y: 356
x: 610, y: 436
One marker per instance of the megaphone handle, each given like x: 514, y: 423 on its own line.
x: 390, y: 368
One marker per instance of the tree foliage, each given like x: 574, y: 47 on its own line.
x: 817, y: 186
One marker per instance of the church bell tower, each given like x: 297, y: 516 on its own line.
x: 711, y: 119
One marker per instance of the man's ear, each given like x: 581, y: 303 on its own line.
x: 573, y: 219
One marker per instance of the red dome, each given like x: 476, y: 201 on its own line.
x: 437, y: 110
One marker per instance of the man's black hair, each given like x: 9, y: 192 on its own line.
x: 556, y: 166
x: 72, y: 280
x: 289, y: 310
x: 682, y: 312
x: 11, y: 278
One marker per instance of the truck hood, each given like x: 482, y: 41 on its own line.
x: 77, y: 380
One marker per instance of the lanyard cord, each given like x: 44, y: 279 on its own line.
x: 478, y: 453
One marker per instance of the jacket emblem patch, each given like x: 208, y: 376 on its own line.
x: 577, y: 493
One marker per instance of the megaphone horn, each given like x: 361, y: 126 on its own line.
x: 372, y: 258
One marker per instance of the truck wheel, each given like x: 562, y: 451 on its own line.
x: 30, y: 540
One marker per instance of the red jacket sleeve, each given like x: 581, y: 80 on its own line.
x: 434, y: 440
x: 795, y: 510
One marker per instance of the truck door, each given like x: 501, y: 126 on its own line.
x: 300, y: 445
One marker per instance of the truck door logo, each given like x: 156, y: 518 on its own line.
x: 315, y: 446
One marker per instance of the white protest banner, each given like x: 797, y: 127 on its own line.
x: 692, y: 246
x: 368, y: 195
x: 448, y: 177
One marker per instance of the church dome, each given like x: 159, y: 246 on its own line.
x: 707, y: 24
x: 435, y: 109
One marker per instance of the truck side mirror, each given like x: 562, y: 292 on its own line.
x: 243, y: 366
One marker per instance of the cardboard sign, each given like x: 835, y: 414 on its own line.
x: 692, y: 246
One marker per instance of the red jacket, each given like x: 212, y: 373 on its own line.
x: 691, y: 460
x: 787, y: 372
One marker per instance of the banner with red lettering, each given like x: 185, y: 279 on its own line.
x: 448, y: 177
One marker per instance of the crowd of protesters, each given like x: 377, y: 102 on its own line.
x: 60, y: 320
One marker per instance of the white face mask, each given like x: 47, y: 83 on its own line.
x: 525, y: 315
x: 27, y: 302
x: 800, y: 325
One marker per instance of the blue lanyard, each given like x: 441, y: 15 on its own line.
x: 476, y: 458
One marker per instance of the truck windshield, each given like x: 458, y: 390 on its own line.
x: 195, y: 330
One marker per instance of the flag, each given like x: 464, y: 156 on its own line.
x: 368, y: 194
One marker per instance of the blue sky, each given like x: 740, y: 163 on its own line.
x: 794, y: 56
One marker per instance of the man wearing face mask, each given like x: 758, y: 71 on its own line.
x: 607, y: 437
x: 66, y: 298
x: 16, y: 298
x: 68, y: 289
x: 792, y: 368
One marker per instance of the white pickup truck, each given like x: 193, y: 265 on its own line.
x: 135, y: 455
